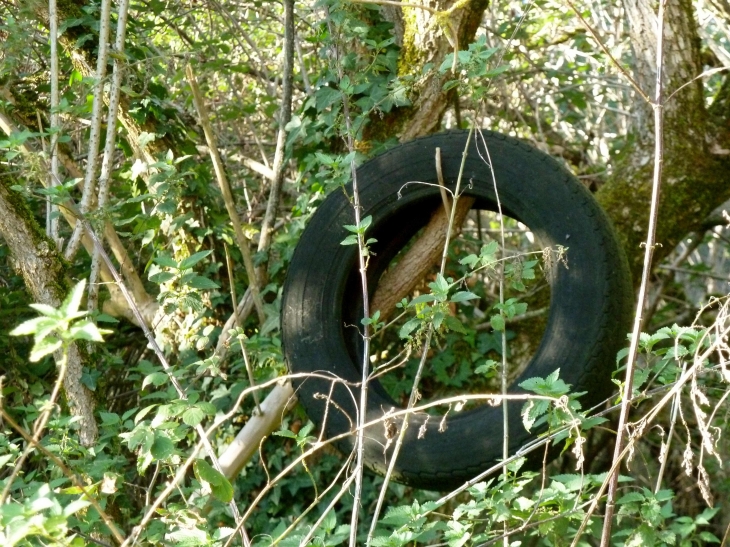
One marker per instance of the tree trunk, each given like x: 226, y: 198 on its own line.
x: 696, y: 166
x: 34, y: 256
x: 427, y: 38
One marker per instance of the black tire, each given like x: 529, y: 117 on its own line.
x: 587, y: 321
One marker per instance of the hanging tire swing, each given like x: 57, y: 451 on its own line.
x: 588, y: 317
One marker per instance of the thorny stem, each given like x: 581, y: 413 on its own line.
x: 426, y: 344
x: 648, y: 253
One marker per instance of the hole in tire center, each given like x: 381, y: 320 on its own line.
x: 466, y: 363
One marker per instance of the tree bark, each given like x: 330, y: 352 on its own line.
x: 35, y: 257
x: 426, y: 38
x: 696, y: 166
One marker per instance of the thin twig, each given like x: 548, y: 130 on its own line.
x: 504, y: 372
x: 220, y: 174
x: 442, y: 185
x: 284, y: 117
x: 95, y: 135
x: 648, y: 254
x: 426, y: 345
x: 111, y: 132
x: 55, y: 121
x: 39, y: 426
x: 362, y: 258
x: 623, y: 71
x: 249, y: 370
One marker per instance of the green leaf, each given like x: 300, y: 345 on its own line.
x: 349, y: 240
x: 166, y: 261
x: 31, y: 326
x: 209, y: 408
x: 463, y: 296
x: 156, y: 379
x: 440, y: 285
x: 193, y: 416
x: 495, y: 71
x: 161, y: 277
x: 219, y: 485
x: 489, y: 250
x: 48, y: 311
x: 469, y: 260
x: 105, y: 318
x: 162, y: 447
x: 365, y: 223
x: 44, y: 347
x: 286, y: 433
x: 202, y: 283
x: 109, y: 418
x: 631, y: 497
x: 422, y: 299
x: 450, y: 84
x: 409, y: 327
x: 192, y: 260
x: 74, y: 506
x: 73, y: 301
x: 487, y: 367
x: 86, y: 330
x: 453, y: 324
x: 497, y: 322
x: 532, y: 410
